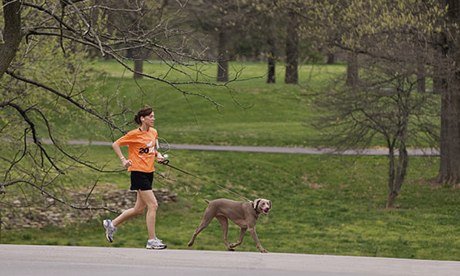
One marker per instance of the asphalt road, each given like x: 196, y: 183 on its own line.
x: 27, y: 260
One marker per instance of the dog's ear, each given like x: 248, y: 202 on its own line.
x: 255, y: 204
x: 270, y: 203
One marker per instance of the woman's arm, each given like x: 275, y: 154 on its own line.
x: 126, y: 163
x: 160, y: 157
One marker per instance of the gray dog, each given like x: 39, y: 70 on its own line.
x: 243, y: 214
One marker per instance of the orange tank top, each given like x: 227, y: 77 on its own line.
x: 141, y: 149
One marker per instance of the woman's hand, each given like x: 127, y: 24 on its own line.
x: 126, y: 163
x: 161, y: 158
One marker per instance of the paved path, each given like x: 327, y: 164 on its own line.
x: 290, y: 150
x: 299, y: 150
x: 27, y: 260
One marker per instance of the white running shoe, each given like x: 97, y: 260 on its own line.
x: 155, y: 244
x: 109, y: 229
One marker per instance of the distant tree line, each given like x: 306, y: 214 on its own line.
x: 250, y: 30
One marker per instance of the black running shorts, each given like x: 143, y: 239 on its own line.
x: 141, y: 181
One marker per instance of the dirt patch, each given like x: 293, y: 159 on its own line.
x: 23, y: 212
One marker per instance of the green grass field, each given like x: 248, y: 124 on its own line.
x: 322, y: 204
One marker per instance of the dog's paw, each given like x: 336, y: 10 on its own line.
x: 263, y: 250
x: 230, y: 249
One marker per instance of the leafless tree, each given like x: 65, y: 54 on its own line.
x: 383, y: 103
x: 385, y: 107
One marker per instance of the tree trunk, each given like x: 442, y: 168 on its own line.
x: 440, y: 86
x: 398, y: 165
x: 292, y: 51
x: 222, y: 58
x: 449, y: 171
x: 391, y: 200
x: 421, y: 79
x: 352, y: 70
x: 138, y: 56
x: 330, y: 58
x: 397, y: 173
x: 138, y: 68
x: 391, y: 177
x: 271, y: 59
x: 11, y: 34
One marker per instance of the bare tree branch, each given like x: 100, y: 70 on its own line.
x: 35, y: 138
x: 67, y: 98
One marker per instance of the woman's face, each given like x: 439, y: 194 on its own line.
x: 149, y: 120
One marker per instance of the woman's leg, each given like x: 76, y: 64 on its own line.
x: 138, y: 209
x: 148, y: 198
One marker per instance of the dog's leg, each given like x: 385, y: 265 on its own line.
x: 240, y: 240
x: 224, y: 224
x: 207, y: 218
x: 256, y: 239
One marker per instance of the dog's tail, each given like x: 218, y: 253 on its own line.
x: 207, y: 201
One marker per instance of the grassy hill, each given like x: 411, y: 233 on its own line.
x: 321, y: 204
x: 244, y: 112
